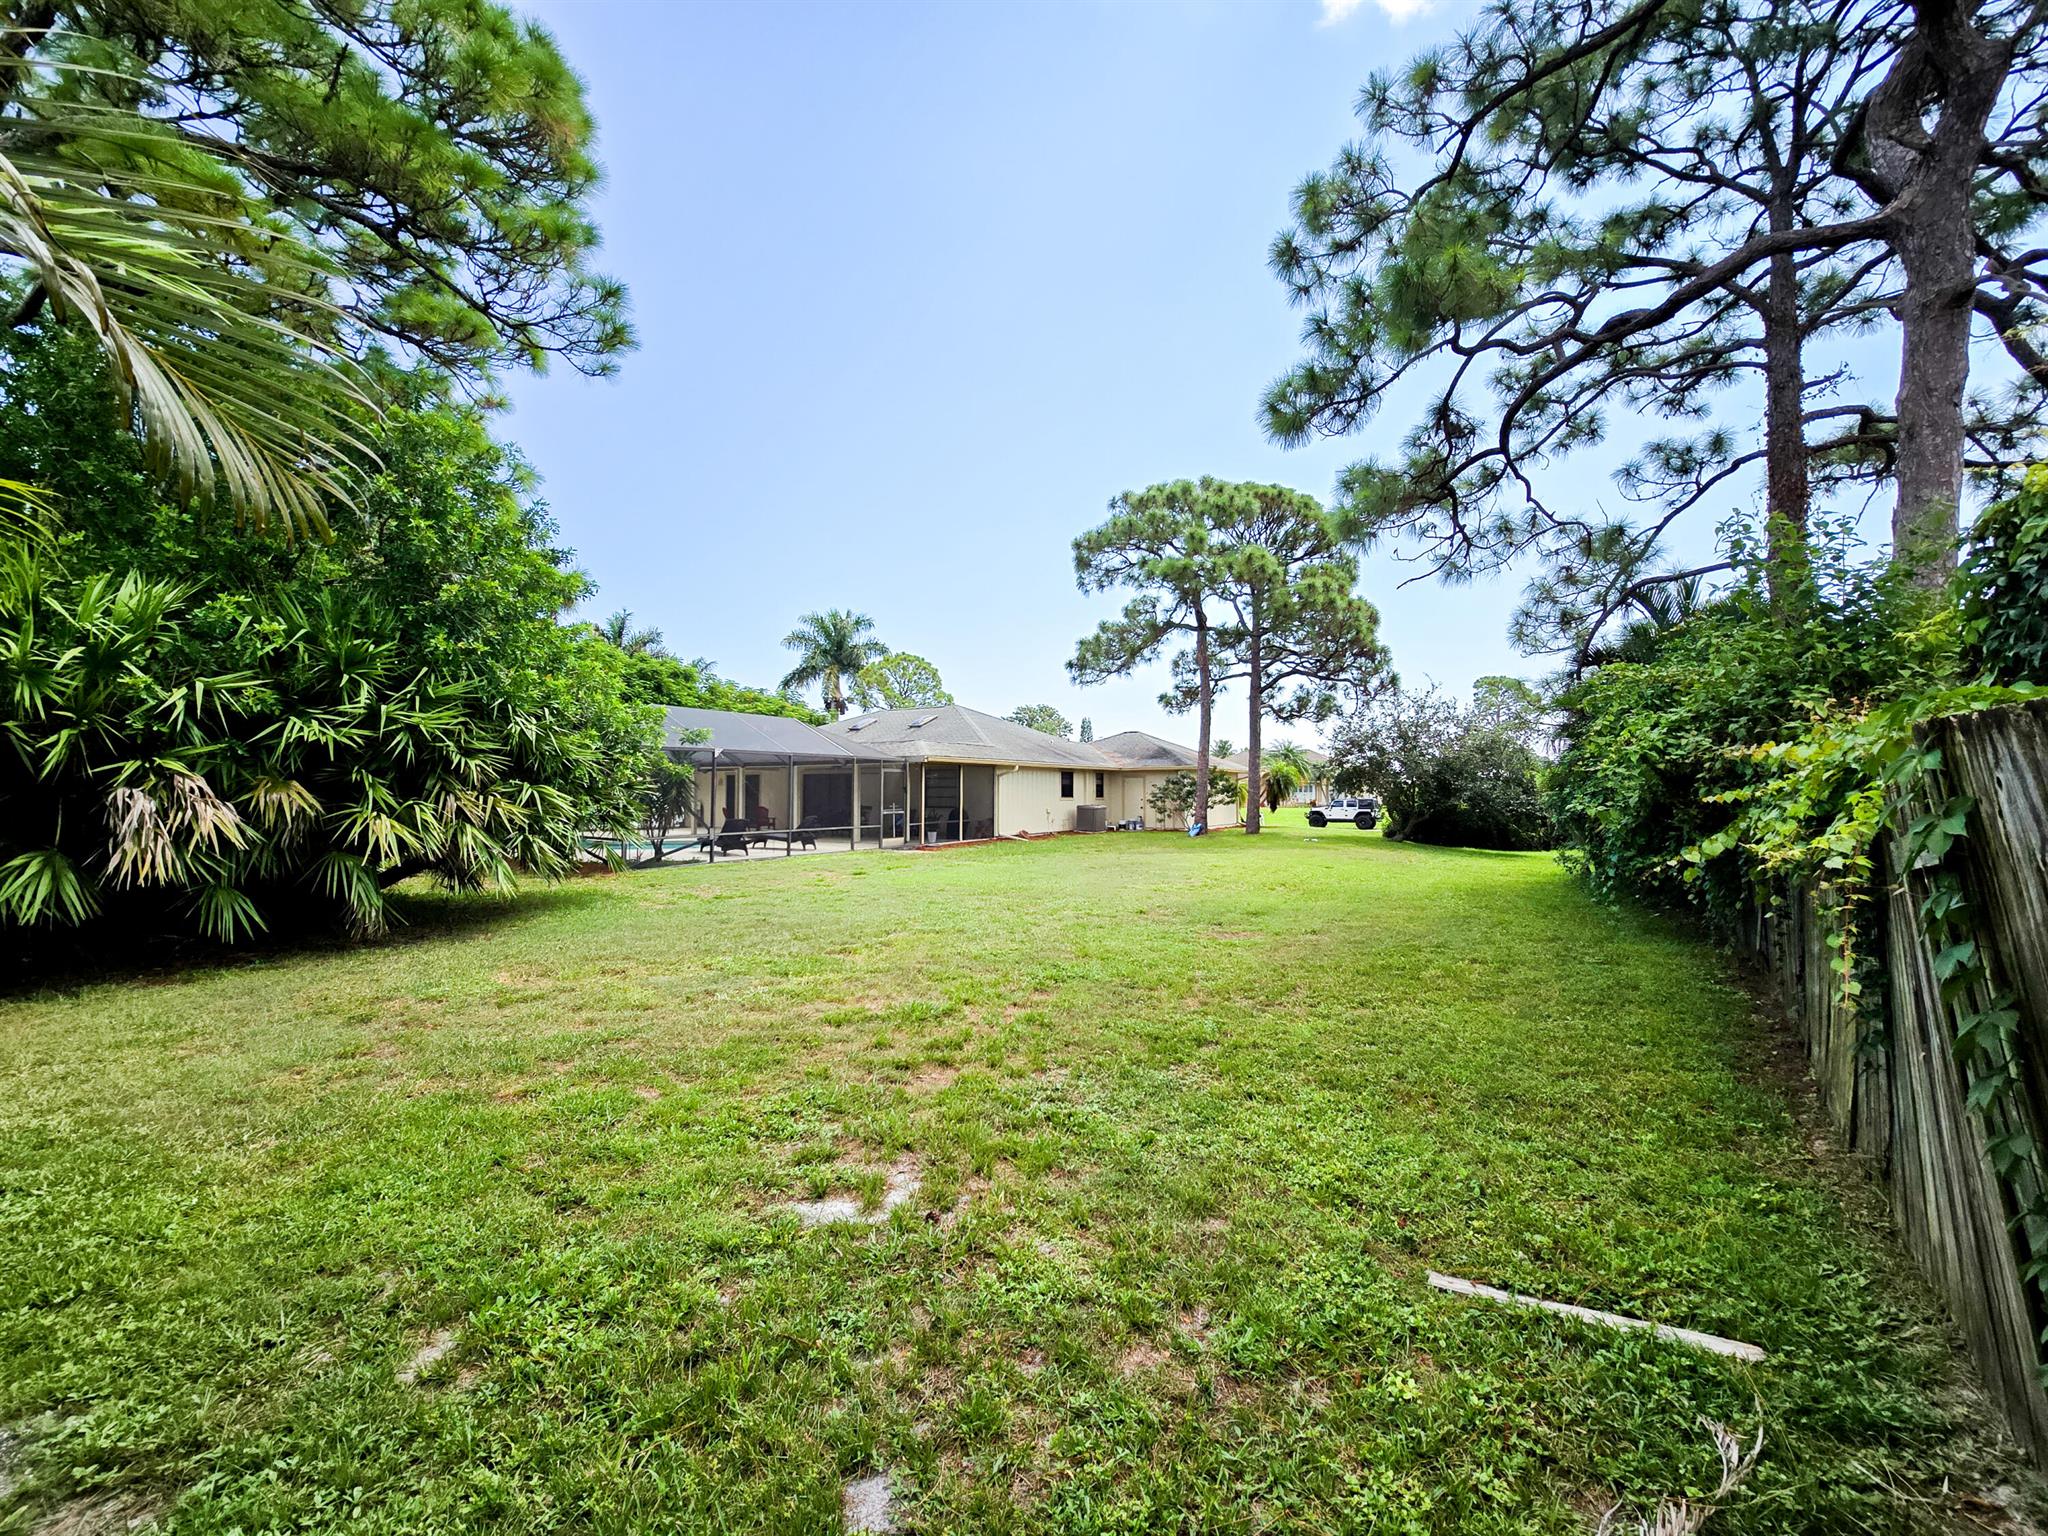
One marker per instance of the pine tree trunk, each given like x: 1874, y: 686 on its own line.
x: 1205, y: 707
x: 1929, y: 170
x: 1255, y: 684
x: 1934, y: 367
x: 1787, y: 492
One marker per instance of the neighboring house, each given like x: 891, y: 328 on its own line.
x: 1148, y: 761
x: 910, y: 776
x: 1240, y: 763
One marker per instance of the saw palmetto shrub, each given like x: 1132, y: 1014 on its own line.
x: 207, y: 732
x: 300, y: 767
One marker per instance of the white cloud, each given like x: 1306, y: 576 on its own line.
x: 1335, y: 11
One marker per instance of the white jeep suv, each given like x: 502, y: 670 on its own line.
x: 1362, y: 811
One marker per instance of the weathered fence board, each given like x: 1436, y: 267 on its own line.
x: 1892, y: 1085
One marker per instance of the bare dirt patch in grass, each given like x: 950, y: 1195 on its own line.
x: 103, y: 1514
x: 1158, y: 1368
x: 436, y: 1348
x: 1142, y: 1355
x: 868, y: 1506
x: 1032, y: 1002
x: 973, y: 1189
x: 899, y: 1186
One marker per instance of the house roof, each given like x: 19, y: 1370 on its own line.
x: 950, y: 733
x: 953, y: 733
x: 1240, y: 762
x: 732, y: 737
x: 1140, y: 749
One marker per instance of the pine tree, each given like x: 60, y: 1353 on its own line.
x: 1155, y: 543
x: 1632, y: 208
x: 1296, y: 633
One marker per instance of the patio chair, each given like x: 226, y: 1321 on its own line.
x: 732, y: 837
x: 803, y: 834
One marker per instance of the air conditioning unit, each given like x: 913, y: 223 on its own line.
x: 1091, y: 818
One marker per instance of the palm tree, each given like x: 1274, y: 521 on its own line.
x: 644, y: 641
x: 209, y: 315
x: 834, y: 646
x: 1284, y: 770
x: 1651, y: 611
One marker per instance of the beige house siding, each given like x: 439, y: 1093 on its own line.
x: 1131, y: 790
x: 1026, y: 800
x: 1132, y: 800
x: 714, y: 787
x: 1031, y: 799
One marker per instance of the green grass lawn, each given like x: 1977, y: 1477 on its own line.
x: 1191, y: 1121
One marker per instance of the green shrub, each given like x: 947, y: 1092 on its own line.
x: 654, y: 679
x: 2005, y: 587
x: 1173, y: 798
x: 1444, y: 775
x: 300, y: 764
x: 216, y: 733
x: 1651, y: 748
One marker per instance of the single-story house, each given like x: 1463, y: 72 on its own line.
x: 1147, y: 762
x: 905, y: 777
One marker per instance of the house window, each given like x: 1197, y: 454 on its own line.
x: 1098, y: 786
x: 1066, y: 783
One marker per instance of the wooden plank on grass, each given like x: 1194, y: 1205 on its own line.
x: 1713, y: 1342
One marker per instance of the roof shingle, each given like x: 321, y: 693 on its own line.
x: 741, y: 738
x: 953, y: 733
x: 1141, y: 749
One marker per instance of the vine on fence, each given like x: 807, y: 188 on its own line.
x: 1985, y: 1020
x: 1818, y: 817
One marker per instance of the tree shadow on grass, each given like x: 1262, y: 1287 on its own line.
x: 1449, y: 850
x: 65, y: 962
x: 1381, y: 842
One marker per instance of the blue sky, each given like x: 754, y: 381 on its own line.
x: 919, y: 288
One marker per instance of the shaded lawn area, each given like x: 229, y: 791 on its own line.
x: 1191, y: 1120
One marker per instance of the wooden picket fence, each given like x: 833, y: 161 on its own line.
x: 1891, y: 1084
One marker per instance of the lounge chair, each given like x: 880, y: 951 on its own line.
x: 804, y: 832
x: 732, y: 837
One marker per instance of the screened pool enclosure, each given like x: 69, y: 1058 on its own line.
x: 772, y: 786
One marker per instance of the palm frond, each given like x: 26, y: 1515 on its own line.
x: 43, y: 885
x: 347, y: 881
x: 225, y: 914
x: 207, y: 318
x: 28, y: 513
x: 157, y: 827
